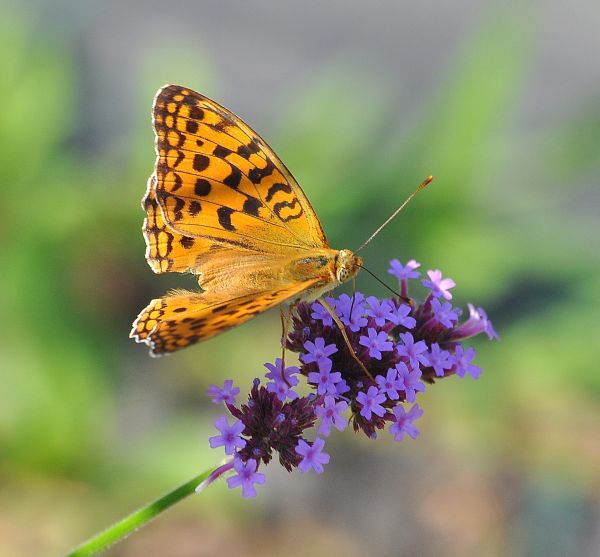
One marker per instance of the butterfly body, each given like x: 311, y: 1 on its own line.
x: 249, y: 273
x: 220, y: 204
x: 330, y: 267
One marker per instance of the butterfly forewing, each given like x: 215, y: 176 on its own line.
x: 218, y: 179
x: 166, y: 249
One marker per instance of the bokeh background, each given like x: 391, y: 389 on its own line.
x: 362, y: 100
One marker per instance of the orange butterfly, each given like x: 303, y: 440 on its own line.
x: 221, y: 205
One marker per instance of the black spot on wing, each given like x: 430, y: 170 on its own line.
x: 197, y: 324
x: 286, y: 188
x: 179, y: 205
x: 186, y: 242
x: 279, y: 207
x: 252, y: 205
x: 234, y: 179
x: 257, y: 174
x: 201, y: 162
x: 247, y: 150
x: 224, y: 214
x: 177, y: 182
x: 196, y: 113
x: 221, y: 151
x: 202, y: 187
x: 191, y: 126
x: 180, y: 157
x: 194, y: 208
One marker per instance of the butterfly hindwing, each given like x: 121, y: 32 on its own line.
x: 218, y: 179
x: 183, y: 318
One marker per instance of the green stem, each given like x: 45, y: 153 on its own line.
x: 139, y: 518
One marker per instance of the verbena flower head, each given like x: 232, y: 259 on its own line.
x: 403, y: 345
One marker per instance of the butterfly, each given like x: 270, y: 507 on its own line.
x: 221, y: 205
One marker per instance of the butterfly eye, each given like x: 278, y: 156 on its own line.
x: 343, y: 274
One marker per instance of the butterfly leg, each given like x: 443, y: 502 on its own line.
x: 343, y: 331
x: 352, y: 304
x: 286, y: 316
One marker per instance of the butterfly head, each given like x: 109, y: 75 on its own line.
x: 347, y: 264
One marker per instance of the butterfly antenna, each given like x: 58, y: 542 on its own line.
x: 423, y: 184
x: 381, y: 282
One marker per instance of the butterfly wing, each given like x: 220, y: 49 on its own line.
x: 166, y: 249
x: 221, y: 204
x: 183, y: 318
x: 218, y: 180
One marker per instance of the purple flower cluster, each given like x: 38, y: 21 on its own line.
x: 402, y: 344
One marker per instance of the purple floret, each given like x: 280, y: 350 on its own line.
x: 230, y: 437
x: 439, y: 286
x: 401, y: 316
x: 282, y: 390
x: 282, y: 380
x: 404, y: 272
x: 444, y: 313
x: 376, y: 343
x: 225, y: 394
x: 246, y: 477
x: 390, y: 383
x: 355, y: 304
x: 462, y: 362
x: 313, y: 456
x: 478, y: 322
x: 278, y: 373
x: 440, y: 360
x: 325, y: 381
x: 320, y: 313
x: 371, y: 402
x: 414, y: 352
x: 331, y: 413
x: 317, y: 352
x: 403, y: 422
x: 410, y: 381
x: 381, y: 311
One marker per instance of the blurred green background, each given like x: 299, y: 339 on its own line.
x: 362, y: 101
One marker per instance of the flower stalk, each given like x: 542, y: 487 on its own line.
x: 121, y: 529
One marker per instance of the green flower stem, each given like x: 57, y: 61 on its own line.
x: 139, y: 518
